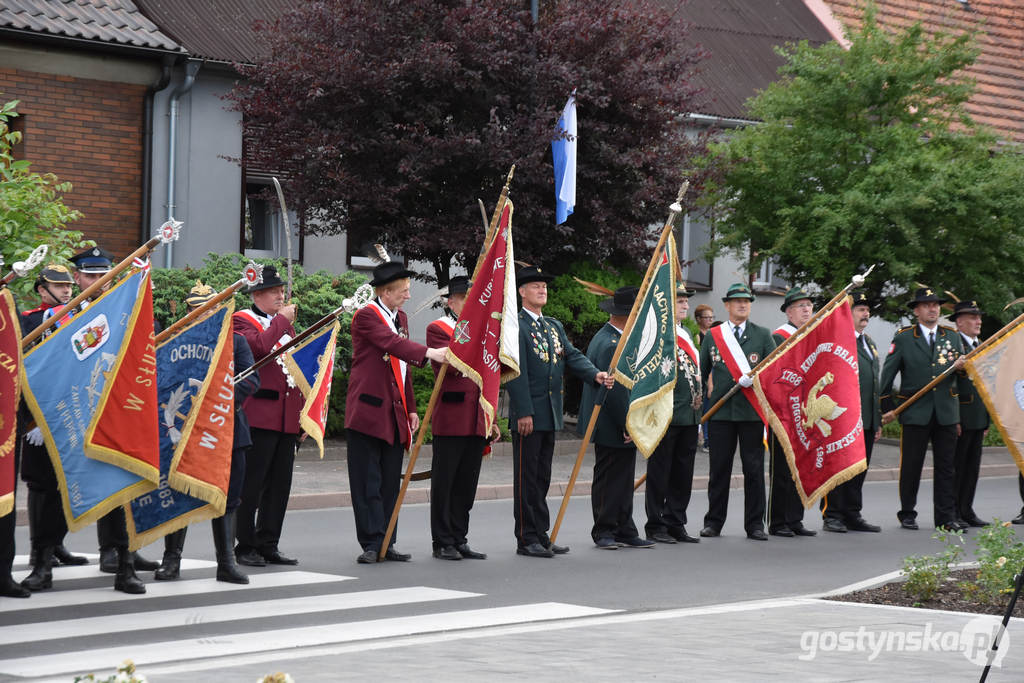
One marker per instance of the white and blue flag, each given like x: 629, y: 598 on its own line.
x: 563, y: 152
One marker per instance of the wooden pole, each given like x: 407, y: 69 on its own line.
x: 674, y: 210
x: 292, y: 343
x: 893, y: 414
x: 27, y: 340
x: 415, y: 452
x: 181, y: 323
x: 792, y: 339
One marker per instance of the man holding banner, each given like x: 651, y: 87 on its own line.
x: 974, y: 420
x: 726, y: 357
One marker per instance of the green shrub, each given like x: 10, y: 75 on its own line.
x: 1000, y: 556
x: 894, y: 429
x: 925, y: 574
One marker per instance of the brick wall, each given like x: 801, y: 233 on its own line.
x: 88, y: 133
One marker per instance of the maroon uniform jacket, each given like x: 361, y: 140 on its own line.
x: 374, y: 405
x: 275, y: 405
x: 458, y: 412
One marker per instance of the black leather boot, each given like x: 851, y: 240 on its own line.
x: 126, y: 581
x: 41, y: 577
x: 9, y: 588
x: 64, y: 556
x: 170, y: 567
x: 223, y: 539
x: 142, y: 564
x: 108, y: 560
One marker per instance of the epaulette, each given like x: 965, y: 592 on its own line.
x: 34, y: 310
x: 947, y: 327
x: 905, y: 329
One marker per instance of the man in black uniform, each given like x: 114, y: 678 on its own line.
x: 535, y: 410
x: 785, y: 511
x: 974, y: 420
x: 919, y: 353
x: 841, y: 508
x: 111, y: 530
x: 611, y: 496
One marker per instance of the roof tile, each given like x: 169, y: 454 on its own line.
x: 116, y: 22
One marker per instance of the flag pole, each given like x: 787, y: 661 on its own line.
x: 253, y: 275
x: 415, y: 452
x: 893, y: 414
x: 168, y: 233
x: 856, y: 281
x: 674, y: 210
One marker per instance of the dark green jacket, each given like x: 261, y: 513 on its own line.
x: 756, y: 343
x: 611, y: 421
x: 683, y: 413
x: 544, y: 354
x: 973, y: 414
x: 916, y: 364
x: 867, y: 373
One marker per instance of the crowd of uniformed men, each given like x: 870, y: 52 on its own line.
x: 381, y: 421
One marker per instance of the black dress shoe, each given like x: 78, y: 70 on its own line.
x: 470, y: 554
x: 534, y: 550
x: 275, y: 557
x: 681, y: 535
x: 9, y: 588
x: 250, y: 558
x: 834, y: 525
x: 1019, y: 519
x: 64, y: 555
x: 143, y: 565
x: 975, y: 521
x: 662, y: 537
x: 909, y: 524
x: 108, y: 560
x: 557, y: 549
x: 757, y: 535
x: 368, y: 557
x: 800, y: 530
x: 783, y: 531
x: 861, y: 524
x: 710, y: 532
x: 447, y: 552
x: 393, y: 555
x: 951, y: 527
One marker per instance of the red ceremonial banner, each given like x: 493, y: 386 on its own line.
x: 810, y: 396
x: 125, y: 431
x: 485, y: 343
x: 10, y: 391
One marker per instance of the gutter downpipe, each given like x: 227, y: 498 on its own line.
x: 145, y: 229
x: 191, y: 69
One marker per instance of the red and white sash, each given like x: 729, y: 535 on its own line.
x: 786, y: 331
x: 398, y: 367
x: 685, y: 342
x: 446, y: 324
x: 263, y: 323
x: 734, y: 359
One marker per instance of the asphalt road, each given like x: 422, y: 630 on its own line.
x: 597, y: 614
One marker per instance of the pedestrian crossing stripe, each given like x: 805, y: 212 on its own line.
x: 92, y: 571
x: 221, y: 645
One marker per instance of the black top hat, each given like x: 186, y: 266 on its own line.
x: 681, y: 290
x: 861, y: 298
x: 792, y: 296
x: 621, y: 302
x: 459, y: 284
x: 55, y: 273
x: 924, y: 295
x: 92, y: 260
x: 270, y: 279
x: 529, y: 274
x: 389, y: 271
x: 962, y: 307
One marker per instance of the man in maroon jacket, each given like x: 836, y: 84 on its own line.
x: 459, y: 441
x: 273, y: 414
x: 380, y: 409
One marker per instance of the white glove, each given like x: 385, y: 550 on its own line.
x: 35, y: 437
x: 746, y: 381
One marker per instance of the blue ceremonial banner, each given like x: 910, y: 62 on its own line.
x: 563, y: 155
x: 187, y: 365
x: 311, y: 364
x: 67, y: 376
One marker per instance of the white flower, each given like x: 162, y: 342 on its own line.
x: 1000, y: 562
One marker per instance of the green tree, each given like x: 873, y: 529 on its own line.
x: 32, y: 210
x: 866, y: 156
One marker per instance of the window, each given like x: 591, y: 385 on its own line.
x: 766, y: 280
x: 692, y: 240
x: 359, y: 253
x: 264, y: 231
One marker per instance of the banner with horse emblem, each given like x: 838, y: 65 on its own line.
x: 810, y: 397
x: 10, y: 392
x: 311, y: 364
x: 66, y: 378
x: 197, y: 418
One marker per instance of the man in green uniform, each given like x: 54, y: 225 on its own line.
x: 974, y: 420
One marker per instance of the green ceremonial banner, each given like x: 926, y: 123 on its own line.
x: 647, y: 366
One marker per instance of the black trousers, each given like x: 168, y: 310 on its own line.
x: 611, y: 494
x: 375, y: 477
x: 966, y: 467
x: 7, y: 522
x: 846, y: 501
x: 913, y: 445
x: 670, y: 480
x: 236, y: 479
x: 723, y: 436
x: 266, y: 487
x: 531, y: 478
x: 455, y: 471
x: 112, y: 530
x: 784, y: 506
x: 46, y: 523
